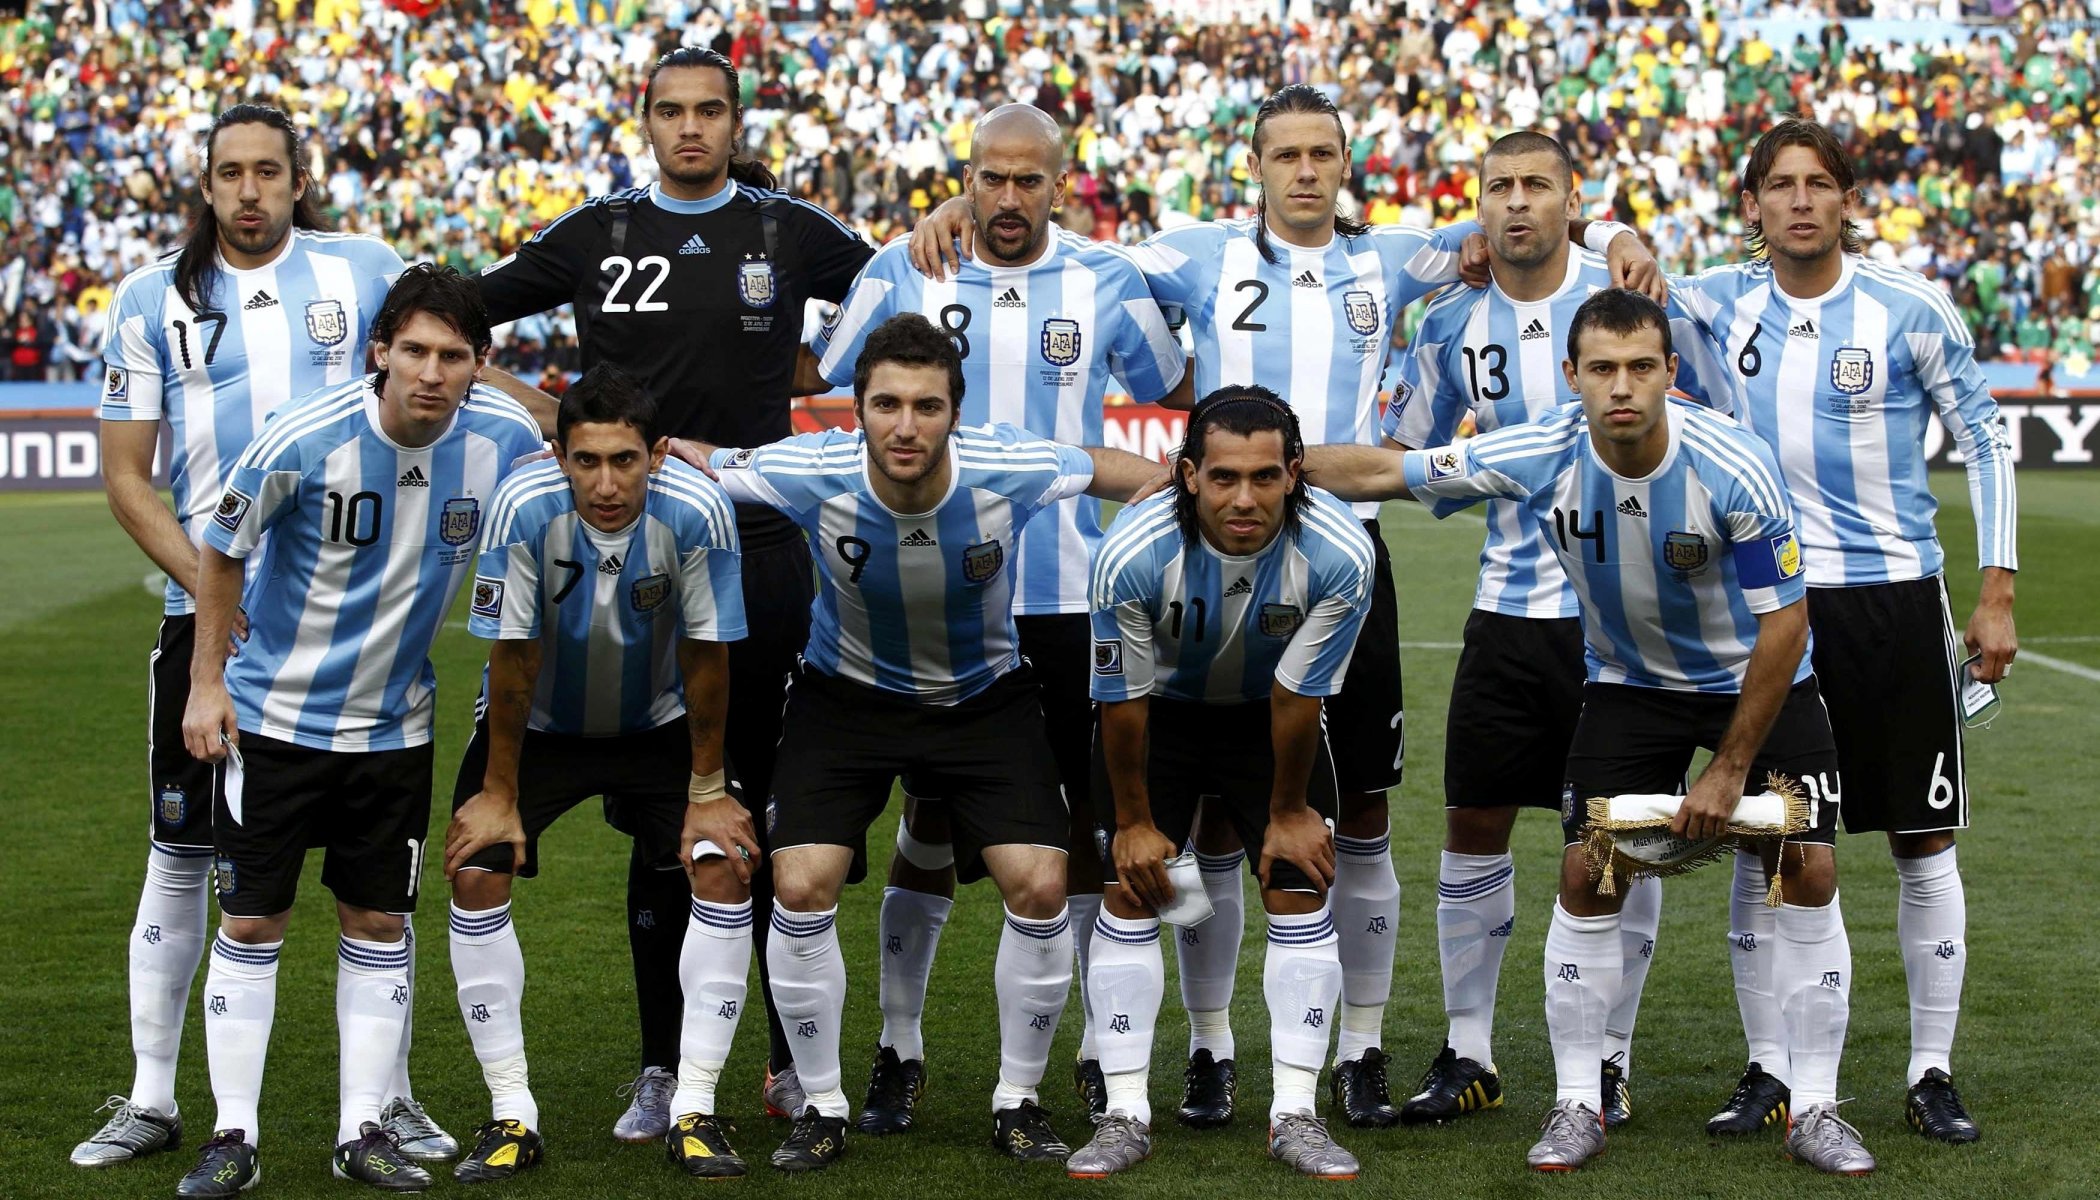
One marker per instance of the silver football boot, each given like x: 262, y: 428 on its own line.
x: 1571, y: 1135
x: 133, y: 1132
x: 1120, y: 1142
x: 1301, y: 1142
x: 1823, y: 1140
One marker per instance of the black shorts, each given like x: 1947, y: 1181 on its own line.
x: 1059, y: 649
x: 1219, y: 752
x: 1514, y: 703
x: 643, y: 777
x: 1638, y: 740
x: 1903, y: 761
x: 778, y: 588
x: 1366, y: 719
x: 179, y: 788
x: 370, y: 811
x: 843, y: 744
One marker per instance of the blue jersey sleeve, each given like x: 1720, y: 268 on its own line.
x: 1752, y: 505
x: 131, y: 357
x: 1181, y: 265
x: 1144, y: 353
x: 1418, y: 261
x: 877, y: 295
x: 1315, y: 660
x: 1945, y: 360
x: 1124, y: 589
x: 262, y: 490
x: 505, y: 601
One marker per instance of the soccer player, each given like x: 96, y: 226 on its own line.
x: 696, y: 285
x: 1042, y: 318
x: 1225, y: 612
x: 1495, y: 355
x: 1304, y: 301
x: 912, y: 667
x: 364, y: 501
x: 1671, y: 524
x: 616, y: 571
x: 260, y: 305
x: 1842, y: 363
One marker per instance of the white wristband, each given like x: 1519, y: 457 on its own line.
x: 1598, y: 237
x: 704, y: 789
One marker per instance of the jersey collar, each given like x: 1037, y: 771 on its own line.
x: 1049, y: 252
x: 867, y: 478
x: 371, y: 390
x: 1848, y: 267
x: 284, y: 251
x: 1572, y: 277
x: 692, y: 207
x: 1673, y: 420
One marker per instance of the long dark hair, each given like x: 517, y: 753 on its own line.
x: 1299, y: 98
x: 1799, y: 131
x: 748, y: 171
x: 199, y: 260
x: 1244, y: 409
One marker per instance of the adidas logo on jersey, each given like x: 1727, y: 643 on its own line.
x: 1240, y: 587
x: 1806, y: 329
x: 917, y: 537
x: 260, y: 300
x: 1631, y: 507
x: 610, y: 565
x: 695, y: 245
x: 1010, y: 298
x: 413, y: 477
x: 1536, y: 329
x: 1306, y: 279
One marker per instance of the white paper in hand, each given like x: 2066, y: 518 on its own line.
x: 1191, y: 904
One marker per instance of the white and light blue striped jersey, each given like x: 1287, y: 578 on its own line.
x: 364, y: 543
x: 1673, y: 568
x: 1480, y: 352
x: 608, y: 607
x: 1174, y: 617
x: 1841, y: 386
x: 1314, y: 325
x: 1039, y: 343
x: 920, y: 604
x: 267, y: 335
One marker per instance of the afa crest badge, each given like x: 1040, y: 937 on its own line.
x: 1060, y: 342
x: 1684, y: 551
x: 1852, y: 370
x: 1281, y: 620
x: 754, y: 282
x: 325, y: 322
x: 174, y: 806
x: 459, y: 521
x: 1361, y: 309
x: 982, y: 561
x: 650, y: 592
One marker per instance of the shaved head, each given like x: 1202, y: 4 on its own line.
x: 1017, y: 125
x: 1015, y: 180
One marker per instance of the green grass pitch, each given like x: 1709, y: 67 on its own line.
x: 75, y: 625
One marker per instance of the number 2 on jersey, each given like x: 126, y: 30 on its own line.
x: 626, y: 268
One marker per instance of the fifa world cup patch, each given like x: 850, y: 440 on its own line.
x: 737, y: 461
x: 1108, y: 657
x: 1446, y: 463
x: 1786, y: 550
x: 488, y: 597
x: 233, y: 506
x: 116, y: 386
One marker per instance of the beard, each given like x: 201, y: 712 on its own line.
x: 260, y: 240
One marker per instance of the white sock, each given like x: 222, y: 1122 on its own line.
x: 490, y: 970
x: 1582, y: 983
x: 1638, y: 919
x: 167, y: 941
x: 371, y: 1003
x: 1753, y: 937
x: 714, y: 969
x: 809, y: 992
x: 1476, y: 909
x: 1031, y: 976
x: 240, y: 1004
x: 1085, y: 911
x: 1932, y: 917
x: 910, y: 927
x: 1366, y: 905
x: 1813, y: 968
x: 1301, y: 979
x: 397, y: 1084
x: 1208, y: 955
x: 1128, y: 979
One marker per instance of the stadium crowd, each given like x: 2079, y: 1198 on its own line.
x: 455, y: 129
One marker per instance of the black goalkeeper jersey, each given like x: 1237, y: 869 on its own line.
x: 702, y: 300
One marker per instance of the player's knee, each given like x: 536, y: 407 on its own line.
x: 369, y: 924
x: 1920, y: 845
x: 1579, y: 894
x: 1363, y: 815
x: 715, y: 882
x: 252, y: 931
x: 476, y: 890
x: 1038, y: 895
x: 800, y: 886
x: 1808, y: 875
x: 1478, y: 831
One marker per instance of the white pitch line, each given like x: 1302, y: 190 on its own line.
x: 1432, y: 645
x: 2063, y: 639
x: 2058, y: 664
